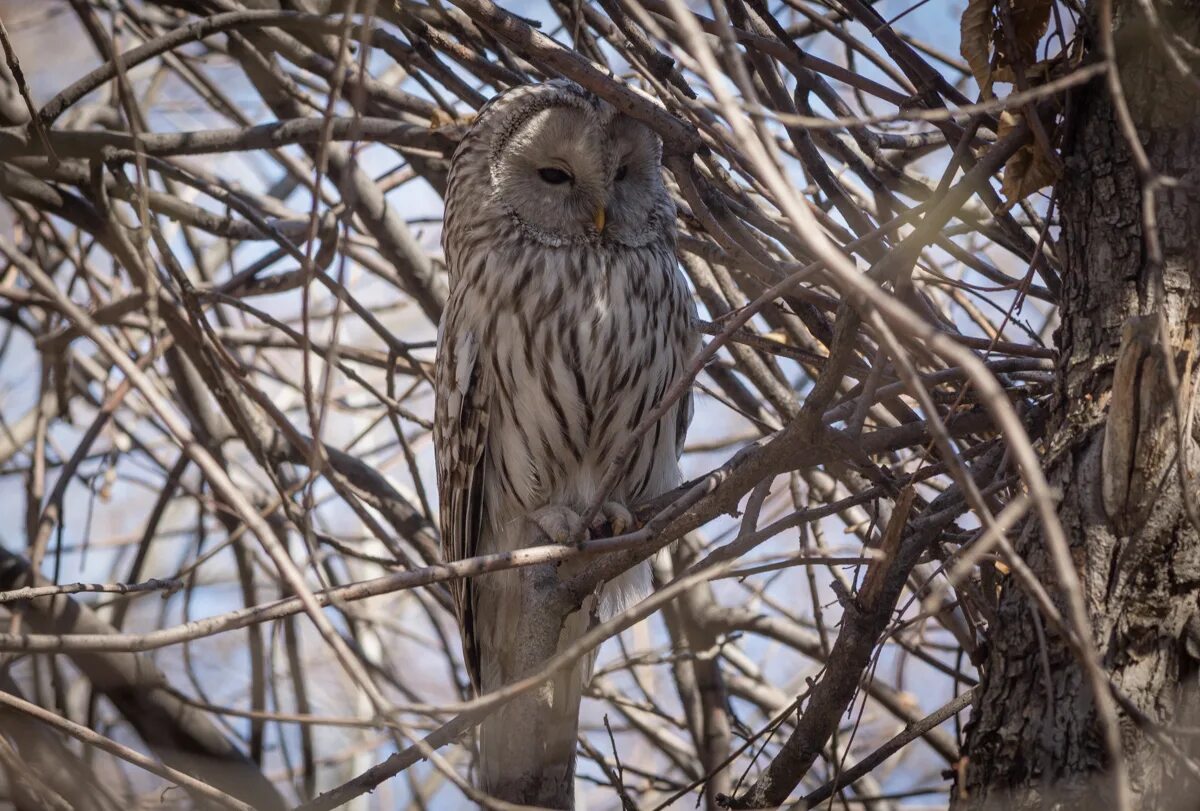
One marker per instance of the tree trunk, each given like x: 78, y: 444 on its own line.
x: 1034, y: 741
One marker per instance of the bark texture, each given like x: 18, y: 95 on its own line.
x: 1034, y: 741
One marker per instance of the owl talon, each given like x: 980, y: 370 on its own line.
x: 615, y: 515
x: 559, y: 524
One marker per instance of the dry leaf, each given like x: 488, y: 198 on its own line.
x: 1030, y: 18
x: 982, y: 37
x: 976, y: 28
x: 1008, y: 123
x: 1028, y: 170
x: 440, y: 118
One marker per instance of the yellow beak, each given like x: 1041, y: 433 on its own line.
x: 598, y: 218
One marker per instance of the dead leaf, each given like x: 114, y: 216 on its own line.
x: 976, y: 28
x: 440, y: 118
x: 1030, y: 18
x: 986, y: 48
x: 1028, y: 170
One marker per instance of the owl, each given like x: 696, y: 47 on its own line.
x: 567, y: 321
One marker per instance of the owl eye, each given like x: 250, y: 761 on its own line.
x: 553, y: 175
x: 622, y: 170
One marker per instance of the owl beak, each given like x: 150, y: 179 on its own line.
x: 599, y: 218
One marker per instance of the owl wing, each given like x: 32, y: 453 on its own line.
x: 683, y: 419
x: 460, y: 438
x: 687, y: 403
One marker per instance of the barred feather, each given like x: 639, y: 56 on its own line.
x: 549, y: 354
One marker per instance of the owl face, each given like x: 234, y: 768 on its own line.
x: 570, y: 168
x: 639, y: 208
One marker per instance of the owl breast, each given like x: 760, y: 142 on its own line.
x: 582, y: 342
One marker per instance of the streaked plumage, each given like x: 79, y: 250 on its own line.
x: 556, y: 340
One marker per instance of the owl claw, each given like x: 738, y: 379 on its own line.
x: 559, y: 524
x: 614, y: 515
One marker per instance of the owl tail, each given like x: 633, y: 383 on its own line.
x: 527, y: 747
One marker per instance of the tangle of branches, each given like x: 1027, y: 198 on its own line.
x: 218, y: 306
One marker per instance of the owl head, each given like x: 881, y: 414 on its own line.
x: 570, y: 168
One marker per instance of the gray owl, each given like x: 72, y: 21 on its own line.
x: 567, y: 321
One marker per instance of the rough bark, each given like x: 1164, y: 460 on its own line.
x: 1034, y: 741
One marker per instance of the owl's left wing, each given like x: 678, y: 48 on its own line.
x: 687, y: 403
x: 460, y: 437
x: 683, y: 419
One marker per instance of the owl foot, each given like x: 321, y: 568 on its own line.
x: 612, y: 515
x: 559, y: 524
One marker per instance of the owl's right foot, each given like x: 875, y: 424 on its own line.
x: 559, y: 524
x: 614, y: 518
